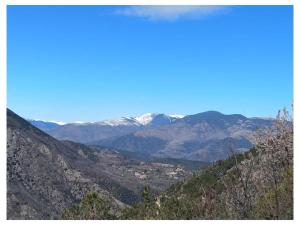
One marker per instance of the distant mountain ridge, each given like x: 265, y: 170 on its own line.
x: 206, y: 136
x: 93, y: 131
x: 45, y: 125
x: 145, y: 119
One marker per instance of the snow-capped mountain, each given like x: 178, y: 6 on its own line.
x: 93, y: 131
x: 154, y: 119
x: 124, y: 121
x: 146, y: 119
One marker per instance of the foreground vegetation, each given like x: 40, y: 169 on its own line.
x: 257, y: 184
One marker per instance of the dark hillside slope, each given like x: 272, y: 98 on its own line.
x: 43, y: 174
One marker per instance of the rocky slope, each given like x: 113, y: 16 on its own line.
x: 43, y: 176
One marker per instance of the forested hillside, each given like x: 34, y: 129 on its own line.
x: 257, y: 184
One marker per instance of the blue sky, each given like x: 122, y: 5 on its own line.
x: 90, y: 63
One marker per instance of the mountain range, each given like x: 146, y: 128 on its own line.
x: 147, y: 119
x: 51, y: 179
x: 88, y: 132
x: 45, y: 176
x: 207, y: 136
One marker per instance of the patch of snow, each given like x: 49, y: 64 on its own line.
x: 177, y: 116
x: 79, y: 122
x: 57, y: 122
x: 145, y: 118
x: 124, y: 121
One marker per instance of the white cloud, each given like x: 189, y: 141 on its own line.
x: 171, y: 13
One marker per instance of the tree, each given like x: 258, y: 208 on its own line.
x: 91, y: 207
x: 275, y: 154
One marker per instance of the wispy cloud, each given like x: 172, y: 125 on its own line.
x: 171, y: 13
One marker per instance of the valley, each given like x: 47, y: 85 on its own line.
x: 54, y: 179
x: 44, y: 171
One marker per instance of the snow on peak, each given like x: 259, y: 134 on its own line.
x: 145, y: 118
x: 177, y: 116
x: 142, y: 120
x: 124, y: 121
x: 79, y: 122
x: 57, y: 122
